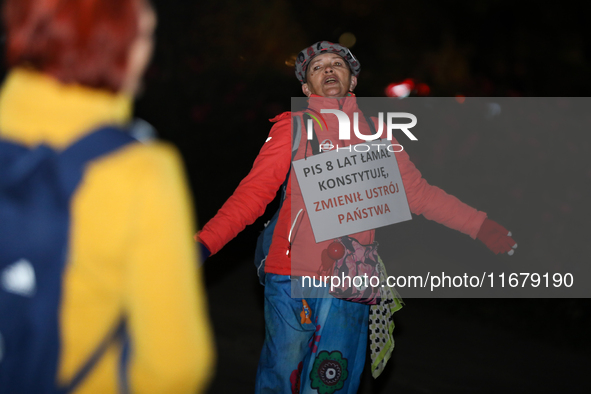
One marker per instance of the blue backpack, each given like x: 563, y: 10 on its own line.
x: 36, y: 187
x: 266, y: 237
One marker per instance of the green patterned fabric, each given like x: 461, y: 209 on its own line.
x: 381, y: 325
x: 329, y: 372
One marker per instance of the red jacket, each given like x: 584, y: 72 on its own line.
x: 299, y: 254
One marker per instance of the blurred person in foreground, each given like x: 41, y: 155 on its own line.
x: 75, y: 65
x: 318, y: 345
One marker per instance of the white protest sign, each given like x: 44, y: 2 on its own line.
x: 352, y: 189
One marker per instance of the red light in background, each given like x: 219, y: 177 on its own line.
x: 406, y: 87
x: 410, y: 83
x: 423, y: 89
x: 402, y: 89
x: 460, y: 98
x: 388, y: 91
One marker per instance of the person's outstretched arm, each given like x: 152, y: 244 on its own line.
x: 255, y: 191
x: 435, y: 204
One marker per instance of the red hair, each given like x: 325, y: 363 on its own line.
x: 76, y: 41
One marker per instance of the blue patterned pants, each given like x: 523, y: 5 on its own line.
x: 312, y: 345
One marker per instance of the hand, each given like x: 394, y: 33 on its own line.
x: 496, y: 237
x: 205, y: 253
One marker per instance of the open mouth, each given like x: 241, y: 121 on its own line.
x: 330, y: 80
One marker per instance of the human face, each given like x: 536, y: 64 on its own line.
x: 329, y: 76
x: 141, y: 49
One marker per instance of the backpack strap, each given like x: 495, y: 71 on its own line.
x: 124, y: 362
x: 299, y: 124
x: 372, y: 126
x: 73, y: 159
x: 118, y: 333
x: 296, y: 135
x: 297, y: 127
x: 315, y: 144
x: 72, y: 162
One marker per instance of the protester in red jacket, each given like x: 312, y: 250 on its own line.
x: 328, y: 73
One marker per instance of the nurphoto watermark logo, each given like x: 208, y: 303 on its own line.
x: 345, y: 129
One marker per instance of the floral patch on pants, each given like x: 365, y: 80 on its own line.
x: 329, y: 372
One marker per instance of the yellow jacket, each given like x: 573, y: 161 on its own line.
x: 131, y: 247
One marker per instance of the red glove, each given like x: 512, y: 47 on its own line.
x: 496, y: 237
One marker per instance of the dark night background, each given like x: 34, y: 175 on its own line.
x: 223, y: 68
